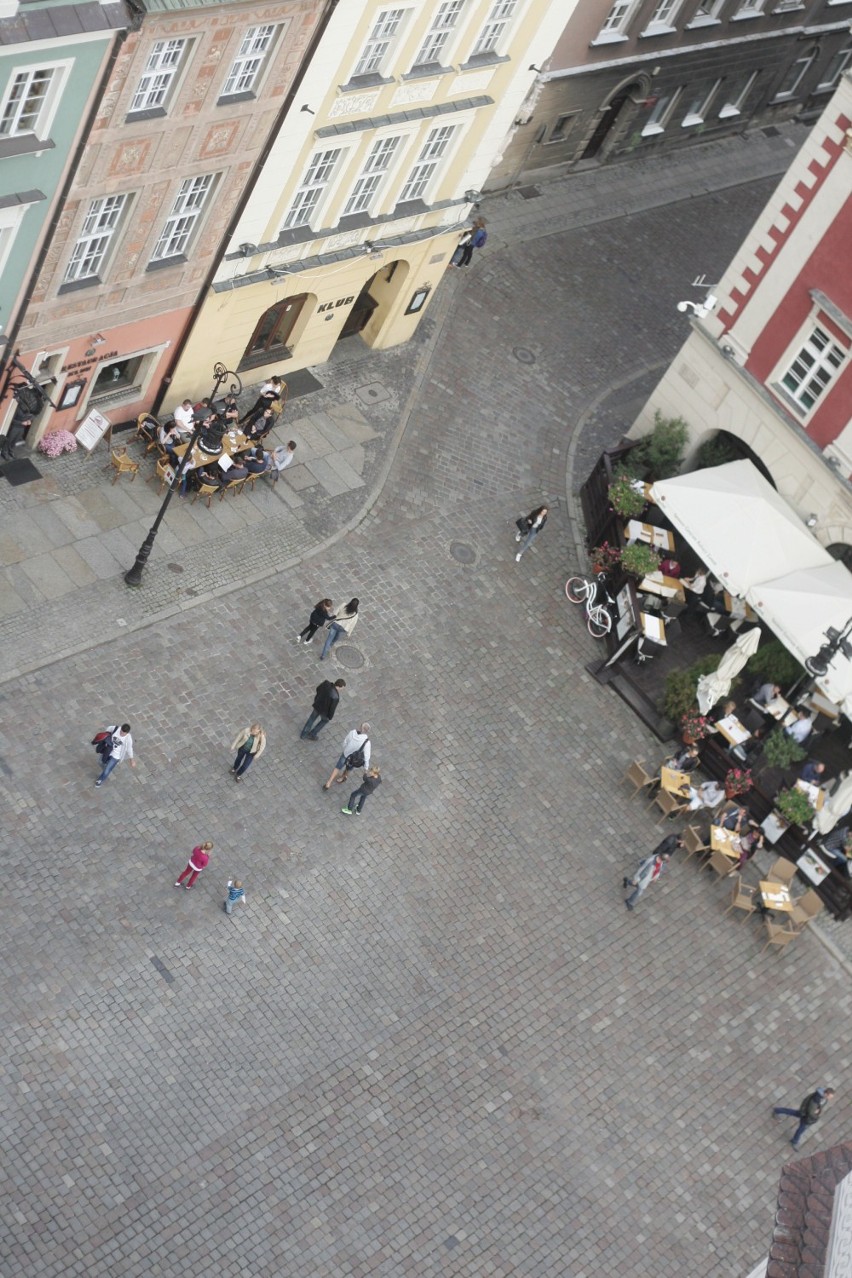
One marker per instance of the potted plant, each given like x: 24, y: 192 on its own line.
x: 56, y: 442
x: 660, y: 452
x: 794, y: 807
x: 694, y: 727
x: 779, y: 750
x: 737, y: 781
x: 605, y: 557
x: 639, y: 559
x: 623, y: 497
x: 681, y: 687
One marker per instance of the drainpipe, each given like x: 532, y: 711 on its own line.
x: 313, y: 44
x: 7, y: 364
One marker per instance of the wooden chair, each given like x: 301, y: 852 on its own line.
x: 164, y: 472
x: 207, y: 491
x: 636, y: 775
x: 806, y: 908
x: 743, y: 897
x: 146, y: 431
x: 783, y: 871
x: 693, y: 841
x: 720, y: 864
x: 252, y: 478
x: 669, y: 804
x: 122, y: 465
x: 778, y: 935
x: 236, y: 486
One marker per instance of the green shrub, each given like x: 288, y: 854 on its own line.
x: 639, y: 559
x: 794, y: 807
x: 623, y: 498
x: 780, y: 751
x: 661, y: 451
x: 680, y: 694
x: 772, y: 663
x: 716, y: 452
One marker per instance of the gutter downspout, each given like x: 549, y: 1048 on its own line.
x: 313, y: 43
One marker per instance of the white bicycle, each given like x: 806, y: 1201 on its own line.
x: 592, y: 592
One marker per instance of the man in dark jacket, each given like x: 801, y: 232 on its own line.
x: 808, y: 1112
x: 651, y: 868
x: 325, y: 704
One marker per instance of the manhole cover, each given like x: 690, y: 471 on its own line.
x: 528, y: 192
x: 462, y: 552
x: 372, y: 393
x: 175, y: 567
x: 349, y: 657
x: 522, y: 355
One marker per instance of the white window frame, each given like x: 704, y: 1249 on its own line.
x: 841, y: 59
x: 252, y: 58
x: 749, y: 9
x: 181, y: 226
x: 662, y: 19
x: 490, y: 39
x: 616, y: 22
x: 149, y: 363
x: 433, y: 155
x: 804, y: 64
x: 702, y: 105
x: 442, y: 31
x: 662, y: 113
x: 313, y: 189
x: 158, y: 83
x: 734, y: 108
x: 50, y: 103
x: 707, y: 14
x: 384, y: 36
x: 96, y: 241
x: 10, y: 223
x: 378, y: 164
x: 817, y: 349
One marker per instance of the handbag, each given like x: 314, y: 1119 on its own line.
x: 521, y: 524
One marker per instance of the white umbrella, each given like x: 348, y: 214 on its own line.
x: 712, y: 687
x: 835, y: 807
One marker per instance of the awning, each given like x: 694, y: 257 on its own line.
x: 739, y: 525
x: 799, y: 607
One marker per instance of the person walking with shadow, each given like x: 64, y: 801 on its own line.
x: 808, y: 1113
x: 320, y: 616
x: 371, y: 782
x: 116, y: 746
x: 529, y: 526
x: 355, y: 754
x: 324, y: 708
x: 650, y: 869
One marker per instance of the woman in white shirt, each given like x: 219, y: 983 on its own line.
x: 343, y: 624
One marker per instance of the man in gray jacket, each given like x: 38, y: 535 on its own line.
x: 651, y: 868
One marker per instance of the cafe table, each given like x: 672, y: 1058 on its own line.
x: 776, y: 896
x: 814, y: 795
x: 233, y: 442
x: 653, y: 627
x: 726, y: 841
x: 650, y: 534
x: 677, y: 783
x: 732, y: 730
x: 657, y: 583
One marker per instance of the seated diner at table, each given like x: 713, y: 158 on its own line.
x: 685, y: 760
x: 800, y: 729
x: 669, y: 567
x: 708, y: 795
x: 721, y: 710
x: 735, y: 818
x: 259, y: 424
x: 767, y: 692
x: 813, y: 771
x: 257, y: 462
x: 235, y: 472
x: 750, y: 842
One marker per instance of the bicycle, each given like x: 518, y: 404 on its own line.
x: 592, y: 592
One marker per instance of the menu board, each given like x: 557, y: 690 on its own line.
x: 92, y: 429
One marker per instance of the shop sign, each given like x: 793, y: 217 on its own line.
x: 341, y: 301
x: 81, y: 364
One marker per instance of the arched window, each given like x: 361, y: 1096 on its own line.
x: 274, y: 327
x: 841, y: 551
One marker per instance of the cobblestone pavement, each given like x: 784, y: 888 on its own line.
x: 434, y: 1042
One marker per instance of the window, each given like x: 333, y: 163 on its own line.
x: 158, y: 79
x: 10, y: 221
x: 563, y: 126
x: 492, y: 33
x: 617, y: 20
x: 27, y: 100
x: 707, y: 12
x: 433, y: 152
x: 439, y: 33
x: 115, y: 378
x: 99, y: 227
x: 661, y: 114
x: 183, y: 219
x: 750, y: 8
x: 664, y: 15
x: 736, y: 95
x: 811, y: 371
x: 376, y: 166
x: 246, y: 67
x: 314, y: 183
x: 269, y: 339
x: 699, y: 107
x: 838, y: 64
x: 795, y: 74
x: 374, y: 54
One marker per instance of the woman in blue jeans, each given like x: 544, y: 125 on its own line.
x: 343, y: 624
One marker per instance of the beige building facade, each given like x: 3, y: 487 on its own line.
x: 354, y: 219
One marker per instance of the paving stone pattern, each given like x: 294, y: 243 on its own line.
x: 434, y: 1042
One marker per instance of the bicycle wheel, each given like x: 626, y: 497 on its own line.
x: 599, y: 622
x: 576, y: 589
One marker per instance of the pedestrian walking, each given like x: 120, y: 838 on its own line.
x: 114, y: 745
x: 651, y: 868
x: 529, y: 526
x: 355, y: 754
x: 475, y: 240
x: 320, y: 616
x: 249, y: 745
x: 343, y: 624
x: 371, y: 782
x: 235, y: 894
x: 808, y: 1112
x: 196, y: 863
x: 325, y: 706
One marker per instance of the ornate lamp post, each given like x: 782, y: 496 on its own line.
x: 133, y: 576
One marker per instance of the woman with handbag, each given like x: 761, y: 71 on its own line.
x: 529, y: 527
x: 343, y: 624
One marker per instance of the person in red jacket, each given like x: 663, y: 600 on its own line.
x: 195, y: 864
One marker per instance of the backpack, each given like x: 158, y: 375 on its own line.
x: 102, y: 741
x: 479, y: 238
x: 356, y: 758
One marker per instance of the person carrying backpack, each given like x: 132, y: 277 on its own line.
x: 355, y: 754
x: 113, y: 745
x: 477, y: 240
x: 808, y: 1112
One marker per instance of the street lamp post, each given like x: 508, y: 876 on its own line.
x: 133, y: 576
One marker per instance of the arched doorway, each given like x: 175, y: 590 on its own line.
x: 841, y: 551
x: 722, y: 447
x: 376, y: 304
x: 610, y: 112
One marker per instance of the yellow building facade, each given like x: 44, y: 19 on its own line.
x: 353, y: 219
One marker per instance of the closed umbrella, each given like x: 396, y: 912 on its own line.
x: 835, y: 807
x: 712, y: 687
